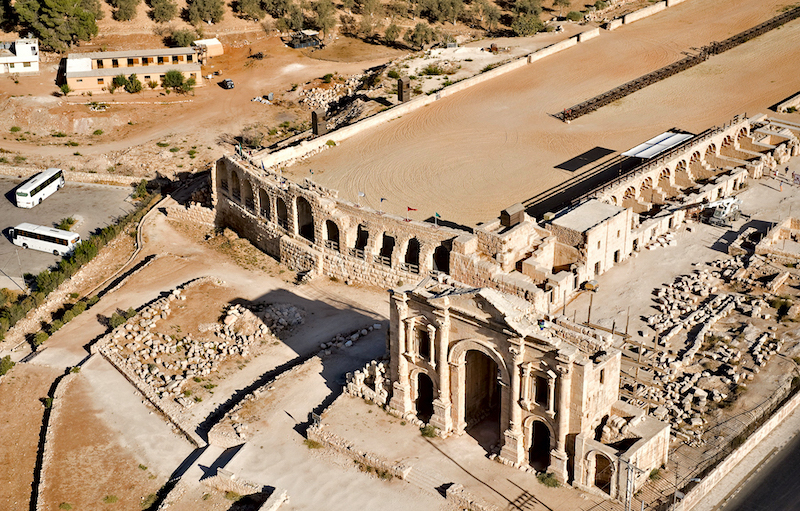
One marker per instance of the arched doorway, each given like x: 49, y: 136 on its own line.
x: 263, y: 203
x: 603, y: 471
x: 305, y: 219
x: 235, y: 186
x: 282, y: 212
x: 424, y: 402
x: 249, y: 202
x: 412, y: 255
x: 222, y: 175
x: 387, y: 248
x: 482, y: 398
x: 539, y: 453
x: 441, y: 259
x: 332, y: 235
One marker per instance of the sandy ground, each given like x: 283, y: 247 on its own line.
x: 84, y: 444
x: 20, y: 424
x: 458, y: 459
x: 497, y: 143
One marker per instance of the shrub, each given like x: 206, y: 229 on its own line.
x: 141, y: 190
x: 134, y: 85
x: 68, y: 316
x: 575, y: 16
x: 116, y: 320
x: 93, y: 300
x: 327, y: 78
x: 655, y: 474
x: 40, y: 337
x: 75, y: 369
x: 183, y: 37
x: 548, y: 479
x: 600, y: 4
x: 163, y: 10
x: 393, y: 74
x: 65, y: 89
x: 232, y: 495
x: 65, y: 506
x: 428, y: 431
x: 15, y: 129
x: 331, y: 143
x: 110, y: 499
x: 120, y: 80
x: 131, y: 312
x: 78, y: 308
x: 174, y: 149
x: 66, y: 223
x: 6, y: 364
x: 432, y: 70
x: 312, y: 444
x: 55, y: 326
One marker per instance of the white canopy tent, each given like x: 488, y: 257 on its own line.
x: 658, y: 145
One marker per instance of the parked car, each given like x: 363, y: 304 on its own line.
x: 227, y: 83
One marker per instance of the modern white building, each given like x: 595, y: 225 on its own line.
x: 20, y: 56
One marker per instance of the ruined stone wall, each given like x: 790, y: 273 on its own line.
x: 307, y: 227
x: 194, y: 213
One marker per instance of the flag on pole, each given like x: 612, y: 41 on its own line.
x: 312, y: 171
x: 411, y: 209
x: 382, y: 199
x: 262, y: 165
x: 436, y: 217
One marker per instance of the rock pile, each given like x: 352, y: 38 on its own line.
x: 319, y: 97
x: 346, y: 340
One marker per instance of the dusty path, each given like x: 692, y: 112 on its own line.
x: 474, y: 153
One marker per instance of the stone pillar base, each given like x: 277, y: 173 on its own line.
x: 513, y: 451
x: 401, y: 398
x: 558, y: 465
x: 442, y: 416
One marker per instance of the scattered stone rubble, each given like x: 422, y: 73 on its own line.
x: 688, y: 378
x: 319, y: 97
x: 370, y: 383
x: 166, y: 362
x: 346, y: 340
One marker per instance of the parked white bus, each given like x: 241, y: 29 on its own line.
x: 40, y: 187
x: 46, y: 239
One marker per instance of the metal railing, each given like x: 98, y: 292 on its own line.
x: 410, y: 267
x: 386, y: 261
x: 715, y: 48
x: 357, y: 253
x: 333, y: 245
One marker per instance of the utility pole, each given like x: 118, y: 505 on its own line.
x: 589, y: 316
x: 629, y: 482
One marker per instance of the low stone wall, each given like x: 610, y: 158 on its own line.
x: 194, y: 213
x: 643, y: 13
x: 456, y: 495
x: 589, y: 34
x: 794, y: 101
x: 614, y: 24
x: 47, y: 445
x: 71, y: 175
x: 696, y: 494
x: 307, y: 147
x: 225, y: 481
x: 342, y: 446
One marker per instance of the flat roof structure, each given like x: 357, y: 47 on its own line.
x: 657, y: 145
x: 139, y: 70
x: 132, y: 53
x: 585, y: 216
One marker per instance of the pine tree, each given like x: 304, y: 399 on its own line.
x: 206, y: 11
x: 57, y: 23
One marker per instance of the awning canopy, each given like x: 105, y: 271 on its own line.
x: 658, y: 145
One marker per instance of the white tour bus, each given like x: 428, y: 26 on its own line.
x: 40, y: 187
x: 46, y: 239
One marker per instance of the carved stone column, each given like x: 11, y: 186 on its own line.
x: 401, y: 389
x: 558, y: 464
x: 513, y: 449
x: 442, y: 408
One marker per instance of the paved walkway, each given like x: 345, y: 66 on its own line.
x: 749, y: 467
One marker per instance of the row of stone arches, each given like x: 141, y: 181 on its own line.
x: 701, y: 164
x: 297, y: 216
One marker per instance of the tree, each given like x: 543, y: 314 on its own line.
x: 126, y: 9
x: 574, y: 16
x: 163, y: 10
x: 57, y: 23
x: 210, y: 11
x: 528, y: 7
x: 94, y: 7
x: 398, y: 8
x: 174, y: 80
x: 391, y: 34
x: 526, y: 25
x: 561, y: 4
x: 349, y: 4
x: 6, y: 364
x: 420, y: 35
x: 276, y: 8
x: 134, y: 85
x: 249, y: 9
x: 326, y: 16
x: 65, y: 89
x: 371, y: 14
x: 181, y: 38
x: 120, y: 80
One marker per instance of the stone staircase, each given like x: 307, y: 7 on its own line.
x: 425, y: 480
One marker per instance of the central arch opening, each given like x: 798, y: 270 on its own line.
x: 282, y: 212
x: 441, y: 259
x: 603, y: 470
x: 305, y: 219
x: 424, y: 402
x: 482, y: 398
x: 332, y: 233
x: 539, y: 454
